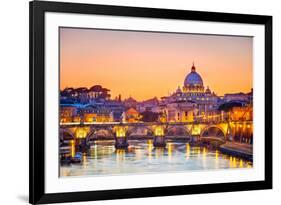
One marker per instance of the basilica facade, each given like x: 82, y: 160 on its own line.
x: 190, y: 101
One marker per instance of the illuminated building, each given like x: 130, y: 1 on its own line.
x: 67, y: 113
x: 149, y: 105
x: 93, y: 113
x: 242, y: 113
x: 241, y: 97
x: 85, y: 113
x: 130, y: 103
x: 132, y: 115
x: 180, y: 111
x: 192, y: 98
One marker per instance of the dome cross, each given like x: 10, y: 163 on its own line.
x: 193, y: 69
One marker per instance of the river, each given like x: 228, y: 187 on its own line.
x: 141, y: 157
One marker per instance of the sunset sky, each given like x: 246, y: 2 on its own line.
x: 145, y: 64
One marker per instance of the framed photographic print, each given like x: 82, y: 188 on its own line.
x: 140, y: 102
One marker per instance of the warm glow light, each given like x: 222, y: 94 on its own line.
x: 196, y: 130
x: 159, y: 152
x: 120, y: 155
x: 81, y: 133
x: 217, y: 155
x: 170, y: 150
x: 72, y: 148
x: 198, y: 151
x: 159, y: 131
x: 234, y: 162
x: 84, y: 160
x: 150, y: 148
x: 241, y: 163
x: 187, y: 152
x: 204, y: 152
x: 120, y: 132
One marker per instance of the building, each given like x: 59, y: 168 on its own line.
x: 240, y: 97
x: 130, y: 103
x: 180, y: 111
x: 132, y: 115
x: 116, y: 107
x: 93, y: 113
x: 85, y: 113
x: 68, y: 112
x: 192, y: 100
x: 242, y: 113
x: 149, y: 105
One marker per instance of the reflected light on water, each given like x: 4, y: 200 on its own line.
x: 204, y: 154
x: 138, y: 154
x: 149, y: 148
x: 241, y: 163
x: 217, y: 155
x: 84, y: 160
x: 198, y: 152
x: 217, y: 159
x: 159, y: 152
x: 65, y: 172
x: 72, y: 148
x: 170, y: 150
x: 249, y: 165
x: 187, y: 151
x: 143, y: 157
x: 234, y: 162
x: 120, y: 155
x: 94, y: 151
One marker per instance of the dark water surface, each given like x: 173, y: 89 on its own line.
x: 142, y: 157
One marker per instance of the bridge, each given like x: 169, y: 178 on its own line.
x: 86, y: 133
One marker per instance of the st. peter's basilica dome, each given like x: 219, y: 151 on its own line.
x: 193, y: 78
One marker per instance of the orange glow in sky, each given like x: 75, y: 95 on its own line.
x: 148, y: 64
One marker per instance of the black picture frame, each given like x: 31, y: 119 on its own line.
x: 37, y: 11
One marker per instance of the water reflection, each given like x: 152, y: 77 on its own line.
x: 120, y: 155
x: 149, y: 149
x: 187, y: 151
x: 217, y: 157
x: 72, y: 148
x: 141, y: 157
x: 170, y: 150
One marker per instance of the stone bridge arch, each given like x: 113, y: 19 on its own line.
x: 66, y: 134
x: 95, y: 132
x: 180, y: 130
x: 213, y: 132
x: 133, y: 129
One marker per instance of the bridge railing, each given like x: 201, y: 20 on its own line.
x: 153, y: 123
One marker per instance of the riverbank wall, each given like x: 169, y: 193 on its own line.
x: 236, y: 152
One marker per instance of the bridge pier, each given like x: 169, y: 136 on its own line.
x: 159, y: 141
x: 194, y: 139
x: 81, y: 145
x: 121, y: 142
